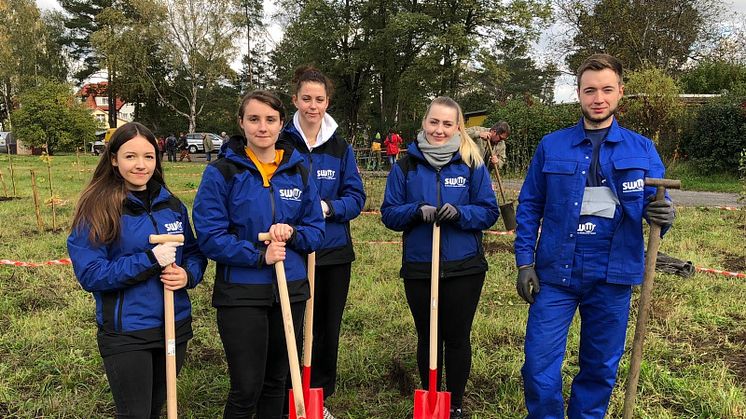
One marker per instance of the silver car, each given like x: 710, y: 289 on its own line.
x: 194, y: 141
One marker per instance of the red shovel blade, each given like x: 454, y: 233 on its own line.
x: 314, y: 399
x: 427, y: 408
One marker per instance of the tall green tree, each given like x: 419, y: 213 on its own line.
x: 713, y: 77
x: 50, y: 116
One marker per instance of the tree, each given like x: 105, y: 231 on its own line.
x: 713, y: 77
x: 657, y: 33
x: 50, y: 116
x: 81, y: 24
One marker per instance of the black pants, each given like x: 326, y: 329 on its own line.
x: 332, y: 285
x: 171, y: 155
x: 458, y: 302
x: 138, y: 381
x: 254, y: 343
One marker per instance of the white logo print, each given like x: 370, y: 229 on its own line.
x: 455, y: 182
x: 175, y: 227
x: 326, y: 174
x: 587, y: 228
x: 290, y: 194
x: 635, y: 186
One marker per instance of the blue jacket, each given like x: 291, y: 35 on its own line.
x: 411, y: 183
x: 124, y: 276
x: 552, y: 195
x: 333, y: 169
x: 232, y: 207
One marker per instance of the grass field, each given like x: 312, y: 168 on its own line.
x: 695, y: 353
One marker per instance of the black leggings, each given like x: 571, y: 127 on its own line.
x: 138, y: 381
x: 254, y: 343
x: 458, y: 303
x: 332, y: 285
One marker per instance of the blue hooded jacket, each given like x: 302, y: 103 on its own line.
x: 124, y: 276
x: 412, y: 183
x: 333, y: 169
x: 232, y: 207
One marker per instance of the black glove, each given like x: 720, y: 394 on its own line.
x: 527, y: 280
x: 426, y: 213
x: 660, y: 212
x: 447, y: 214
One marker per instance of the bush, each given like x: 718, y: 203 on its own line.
x: 529, y: 122
x: 717, y: 136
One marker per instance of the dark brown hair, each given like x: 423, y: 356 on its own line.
x: 310, y: 74
x: 101, y: 203
x: 598, y: 62
x: 501, y: 127
x: 266, y: 97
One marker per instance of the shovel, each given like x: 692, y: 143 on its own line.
x: 506, y: 209
x: 651, y: 256
x: 431, y: 403
x: 297, y: 403
x: 314, y: 397
x: 170, y: 329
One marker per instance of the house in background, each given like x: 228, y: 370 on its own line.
x: 94, y: 96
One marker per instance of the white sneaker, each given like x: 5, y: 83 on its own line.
x: 328, y: 414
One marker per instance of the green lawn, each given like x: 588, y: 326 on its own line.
x: 695, y: 352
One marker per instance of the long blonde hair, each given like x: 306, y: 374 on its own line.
x: 470, y: 153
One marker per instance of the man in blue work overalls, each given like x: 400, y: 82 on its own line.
x: 585, y: 190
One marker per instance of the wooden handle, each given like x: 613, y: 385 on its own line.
x: 263, y: 237
x: 497, y: 174
x: 434, y: 277
x: 170, y: 328
x: 308, y: 320
x: 166, y: 238
x: 654, y: 243
x: 291, y: 345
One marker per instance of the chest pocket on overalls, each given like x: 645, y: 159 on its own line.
x: 558, y: 175
x: 630, y: 177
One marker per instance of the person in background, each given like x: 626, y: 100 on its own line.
x: 375, y: 150
x: 392, y: 143
x: 442, y: 179
x: 585, y: 189
x: 258, y: 185
x: 125, y: 202
x: 208, y: 146
x: 491, y: 142
x: 224, y: 136
x: 171, y: 146
x: 161, y: 146
x: 314, y: 133
x: 183, y: 146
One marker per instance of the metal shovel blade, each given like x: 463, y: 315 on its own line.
x: 314, y: 399
x: 427, y: 406
x: 507, y: 211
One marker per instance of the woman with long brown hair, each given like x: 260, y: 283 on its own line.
x: 125, y: 202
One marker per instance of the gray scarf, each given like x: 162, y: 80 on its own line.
x: 438, y: 155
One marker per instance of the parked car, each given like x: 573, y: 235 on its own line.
x: 7, y: 142
x: 102, y: 137
x: 194, y: 140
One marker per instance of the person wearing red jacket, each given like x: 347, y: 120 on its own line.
x: 392, y: 143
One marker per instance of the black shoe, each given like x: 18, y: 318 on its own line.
x: 458, y: 413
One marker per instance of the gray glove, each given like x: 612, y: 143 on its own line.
x: 165, y: 253
x: 426, y: 213
x: 527, y: 279
x: 447, y: 214
x: 661, y: 213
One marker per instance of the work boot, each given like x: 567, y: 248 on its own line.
x: 328, y: 414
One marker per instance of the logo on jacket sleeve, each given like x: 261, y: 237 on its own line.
x: 634, y: 186
x: 175, y: 227
x: 455, y: 182
x: 290, y: 194
x: 587, y: 228
x: 326, y: 174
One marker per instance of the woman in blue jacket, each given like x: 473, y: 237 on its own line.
x: 331, y: 162
x: 125, y: 202
x: 443, y: 180
x: 260, y: 184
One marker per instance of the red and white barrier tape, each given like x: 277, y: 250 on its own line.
x: 716, y: 271
x: 35, y: 265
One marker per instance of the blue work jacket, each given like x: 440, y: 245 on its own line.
x: 552, y: 196
x: 333, y: 169
x: 233, y: 206
x: 412, y: 183
x: 124, y: 276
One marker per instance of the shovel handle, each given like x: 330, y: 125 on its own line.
x: 497, y: 174
x: 434, y: 277
x: 292, y: 347
x: 308, y: 320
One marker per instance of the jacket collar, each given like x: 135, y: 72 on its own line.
x: 235, y: 151
x: 328, y: 128
x: 614, y: 135
x: 414, y: 150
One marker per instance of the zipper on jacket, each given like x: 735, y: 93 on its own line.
x: 119, y: 327
x: 437, y: 187
x: 275, y: 291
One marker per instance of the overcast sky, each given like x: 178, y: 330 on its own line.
x: 564, y: 90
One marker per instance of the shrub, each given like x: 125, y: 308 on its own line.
x: 717, y: 136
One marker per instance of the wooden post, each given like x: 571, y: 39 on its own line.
x: 39, y: 221
x: 12, y: 175
x: 2, y: 180
x: 51, y: 193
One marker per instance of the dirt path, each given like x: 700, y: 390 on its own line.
x: 680, y: 198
